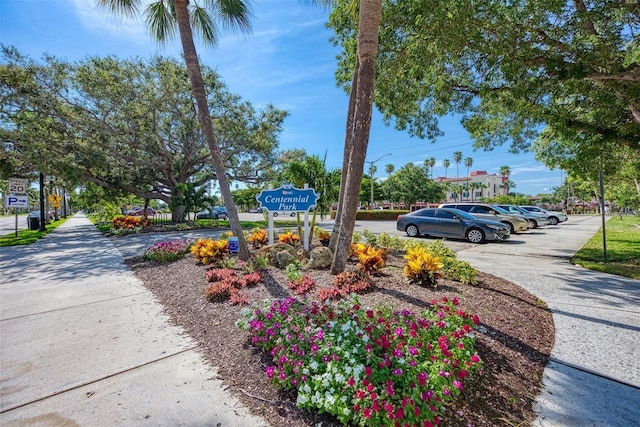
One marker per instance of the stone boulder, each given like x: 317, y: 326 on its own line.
x: 279, y: 254
x: 319, y: 258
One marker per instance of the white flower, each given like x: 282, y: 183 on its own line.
x: 313, y: 365
x: 302, y: 399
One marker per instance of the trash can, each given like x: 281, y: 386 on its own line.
x: 34, y: 223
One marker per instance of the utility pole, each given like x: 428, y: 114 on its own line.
x: 371, y: 163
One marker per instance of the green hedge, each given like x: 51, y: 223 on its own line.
x: 379, y: 215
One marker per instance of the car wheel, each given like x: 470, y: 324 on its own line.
x: 512, y: 229
x: 475, y: 235
x: 534, y: 224
x: 275, y: 214
x: 553, y: 220
x: 215, y: 216
x: 412, y: 230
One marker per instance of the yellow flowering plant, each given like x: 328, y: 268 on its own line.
x: 209, y: 251
x: 422, y: 268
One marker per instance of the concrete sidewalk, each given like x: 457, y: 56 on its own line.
x: 82, y: 342
x: 593, y: 378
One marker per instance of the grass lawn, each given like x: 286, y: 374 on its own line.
x: 26, y: 237
x: 623, y: 248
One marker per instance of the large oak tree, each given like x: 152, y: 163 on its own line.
x: 162, y: 17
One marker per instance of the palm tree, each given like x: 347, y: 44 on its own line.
x: 468, y: 162
x: 508, y: 185
x: 430, y: 163
x: 162, y: 17
x: 446, y: 163
x: 389, y: 168
x: 312, y: 170
x: 505, y: 171
x: 457, y: 157
x: 357, y: 131
x: 475, y: 186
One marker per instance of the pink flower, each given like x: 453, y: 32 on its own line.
x: 457, y: 384
x: 270, y: 371
x: 368, y: 371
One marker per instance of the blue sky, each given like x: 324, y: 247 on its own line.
x: 286, y: 60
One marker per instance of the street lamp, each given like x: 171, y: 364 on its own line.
x: 371, y: 163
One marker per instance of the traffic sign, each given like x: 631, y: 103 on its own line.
x: 17, y: 186
x: 17, y: 201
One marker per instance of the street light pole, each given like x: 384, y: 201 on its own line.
x: 371, y: 163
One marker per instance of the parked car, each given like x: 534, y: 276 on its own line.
x: 451, y: 223
x: 536, y: 219
x: 516, y: 223
x: 36, y: 214
x: 555, y: 217
x: 217, y: 212
x: 276, y: 213
x: 255, y: 210
x: 140, y: 212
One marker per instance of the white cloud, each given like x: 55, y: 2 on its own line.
x: 100, y: 20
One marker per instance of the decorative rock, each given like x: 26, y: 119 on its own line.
x: 319, y: 258
x: 283, y: 258
x: 302, y: 253
x: 273, y: 254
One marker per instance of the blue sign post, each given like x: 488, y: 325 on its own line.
x: 290, y: 199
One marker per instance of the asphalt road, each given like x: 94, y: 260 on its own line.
x: 8, y: 224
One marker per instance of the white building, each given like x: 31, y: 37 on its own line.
x: 488, y: 186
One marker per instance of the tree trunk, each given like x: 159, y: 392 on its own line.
x: 333, y: 242
x: 200, y: 95
x: 357, y: 138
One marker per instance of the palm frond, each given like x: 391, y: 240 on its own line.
x: 234, y: 14
x: 204, y: 25
x: 161, y: 20
x: 126, y: 8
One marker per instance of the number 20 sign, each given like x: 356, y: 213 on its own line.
x: 17, y: 186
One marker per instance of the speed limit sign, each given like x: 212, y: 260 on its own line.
x: 17, y: 186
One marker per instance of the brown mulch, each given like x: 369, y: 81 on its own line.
x: 514, y: 340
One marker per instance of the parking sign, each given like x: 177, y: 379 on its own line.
x: 17, y: 201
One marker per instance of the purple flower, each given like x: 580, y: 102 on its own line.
x: 270, y: 371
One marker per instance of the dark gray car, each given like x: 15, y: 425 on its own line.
x: 451, y: 223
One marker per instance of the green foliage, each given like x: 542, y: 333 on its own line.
x: 572, y: 83
x: 293, y: 271
x: 623, y: 241
x: 412, y: 183
x: 140, y: 116
x: 256, y: 262
x: 392, y: 243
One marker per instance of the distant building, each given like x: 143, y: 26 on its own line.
x: 490, y: 186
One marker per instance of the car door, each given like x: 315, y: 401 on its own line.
x: 426, y: 221
x: 449, y: 224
